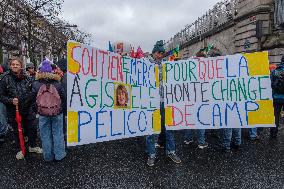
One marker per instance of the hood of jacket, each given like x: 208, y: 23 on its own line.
x: 47, y: 76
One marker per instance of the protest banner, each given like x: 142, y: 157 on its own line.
x: 219, y: 92
x: 109, y: 96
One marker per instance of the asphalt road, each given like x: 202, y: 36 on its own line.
x: 122, y: 164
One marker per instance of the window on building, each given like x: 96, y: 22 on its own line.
x: 279, y: 14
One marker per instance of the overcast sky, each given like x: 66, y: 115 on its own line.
x: 136, y: 22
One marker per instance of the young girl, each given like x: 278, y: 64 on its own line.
x: 121, y: 96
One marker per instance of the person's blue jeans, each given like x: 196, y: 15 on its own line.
x: 152, y: 139
x: 200, y: 135
x: 52, y: 138
x: 236, y: 133
x: 252, y: 133
x: 3, y: 119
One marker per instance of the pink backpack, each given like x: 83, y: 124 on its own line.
x: 48, y: 100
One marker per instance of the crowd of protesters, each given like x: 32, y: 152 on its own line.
x: 42, y: 92
x: 32, y: 93
x: 228, y: 138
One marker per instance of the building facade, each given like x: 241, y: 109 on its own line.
x: 235, y: 26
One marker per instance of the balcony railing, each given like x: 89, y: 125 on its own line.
x: 222, y: 13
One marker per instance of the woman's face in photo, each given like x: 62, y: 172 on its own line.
x: 121, y: 98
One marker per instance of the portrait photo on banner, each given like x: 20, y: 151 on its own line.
x: 122, y: 96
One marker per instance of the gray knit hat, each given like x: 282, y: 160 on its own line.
x: 30, y: 65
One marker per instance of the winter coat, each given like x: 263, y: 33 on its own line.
x: 3, y: 119
x: 49, y: 78
x: 278, y: 98
x: 32, y: 77
x: 13, y: 86
x: 64, y: 85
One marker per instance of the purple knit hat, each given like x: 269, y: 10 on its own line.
x: 45, y: 66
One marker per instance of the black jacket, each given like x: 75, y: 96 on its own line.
x: 13, y: 86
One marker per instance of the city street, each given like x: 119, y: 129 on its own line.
x: 122, y: 164
x: 112, y: 72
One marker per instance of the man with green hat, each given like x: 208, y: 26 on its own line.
x: 158, y: 54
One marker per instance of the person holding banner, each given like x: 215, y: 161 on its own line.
x: 16, y: 90
x: 253, y: 136
x: 277, y: 84
x: 228, y: 135
x: 158, y: 52
x: 202, y: 144
x: 188, y: 134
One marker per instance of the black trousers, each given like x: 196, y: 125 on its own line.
x: 29, y: 126
x: 277, y: 110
